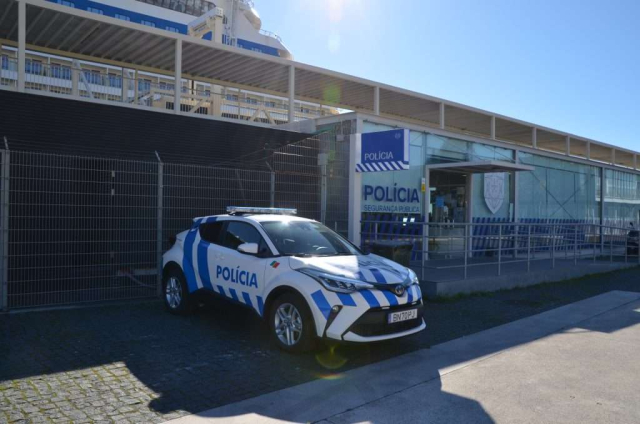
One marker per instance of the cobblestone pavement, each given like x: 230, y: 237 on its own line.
x: 136, y: 363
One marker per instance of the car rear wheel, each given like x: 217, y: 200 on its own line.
x: 177, y: 299
x: 291, y: 323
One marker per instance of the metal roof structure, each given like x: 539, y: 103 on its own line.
x: 480, y: 167
x: 52, y: 28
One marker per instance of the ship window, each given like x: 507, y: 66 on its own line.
x: 65, y: 3
x: 122, y: 17
x: 172, y: 29
x: 144, y: 85
x: 60, y: 71
x: 148, y: 23
x: 270, y: 104
x: 33, y: 67
x: 115, y: 80
x: 94, y: 10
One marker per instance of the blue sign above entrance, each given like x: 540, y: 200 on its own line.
x: 383, y: 151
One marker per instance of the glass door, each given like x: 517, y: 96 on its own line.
x: 448, y: 206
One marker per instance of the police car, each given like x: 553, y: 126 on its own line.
x: 307, y: 281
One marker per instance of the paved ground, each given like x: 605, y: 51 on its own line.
x: 574, y: 364
x: 135, y: 363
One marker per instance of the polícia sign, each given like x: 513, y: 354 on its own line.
x: 383, y: 151
x: 391, y: 199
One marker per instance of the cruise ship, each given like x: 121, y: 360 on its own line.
x: 234, y: 23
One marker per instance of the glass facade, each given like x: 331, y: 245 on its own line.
x: 556, y: 190
x: 621, y: 198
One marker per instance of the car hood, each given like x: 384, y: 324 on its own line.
x: 370, y: 268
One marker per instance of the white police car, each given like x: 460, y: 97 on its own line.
x: 305, y: 279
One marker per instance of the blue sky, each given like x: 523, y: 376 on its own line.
x: 566, y: 64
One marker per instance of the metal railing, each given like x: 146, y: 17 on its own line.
x: 152, y: 92
x: 271, y: 34
x: 496, y: 247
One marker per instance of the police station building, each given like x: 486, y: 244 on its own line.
x: 478, y: 170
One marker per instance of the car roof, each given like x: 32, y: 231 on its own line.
x: 257, y: 217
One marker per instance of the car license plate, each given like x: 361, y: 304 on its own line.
x: 394, y: 317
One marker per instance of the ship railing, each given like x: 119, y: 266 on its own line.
x: 154, y: 91
x: 271, y: 35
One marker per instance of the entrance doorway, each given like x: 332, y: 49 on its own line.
x: 449, y: 200
x: 448, y: 197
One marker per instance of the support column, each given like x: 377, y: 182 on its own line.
x: 635, y: 161
x: 613, y: 156
x: 588, y: 150
x: 567, y: 145
x: 135, y: 87
x: 442, y: 115
x: 534, y: 137
x: 514, y: 189
x: 124, y: 89
x: 75, y: 77
x: 603, y: 192
x: 493, y: 128
x: 292, y: 94
x: 376, y: 101
x: 177, y: 92
x: 22, y: 43
x: 355, y: 190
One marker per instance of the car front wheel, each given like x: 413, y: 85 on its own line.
x: 291, y: 324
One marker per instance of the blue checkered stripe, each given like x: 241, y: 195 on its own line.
x: 397, y: 165
x: 324, y: 299
x: 195, y: 266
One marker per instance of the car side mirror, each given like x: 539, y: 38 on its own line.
x: 249, y: 248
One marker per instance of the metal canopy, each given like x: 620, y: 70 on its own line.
x: 480, y: 167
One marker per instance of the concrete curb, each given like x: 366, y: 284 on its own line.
x: 321, y: 399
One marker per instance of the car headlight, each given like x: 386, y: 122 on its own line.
x: 413, y: 277
x: 336, y: 283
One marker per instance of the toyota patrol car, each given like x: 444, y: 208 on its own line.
x: 306, y: 280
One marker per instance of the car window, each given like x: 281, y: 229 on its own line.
x: 211, y: 232
x: 238, y: 233
x: 307, y: 238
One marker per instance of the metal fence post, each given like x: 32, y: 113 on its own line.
x: 159, y: 225
x: 425, y: 246
x: 594, y: 250
x: 529, y: 249
x: 499, y: 249
x: 610, y: 249
x: 272, y: 187
x: 575, y: 246
x: 4, y: 299
x: 323, y: 160
x: 553, y: 246
x: 466, y: 248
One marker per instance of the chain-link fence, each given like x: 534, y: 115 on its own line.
x: 79, y: 229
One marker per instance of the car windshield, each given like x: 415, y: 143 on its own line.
x: 307, y: 238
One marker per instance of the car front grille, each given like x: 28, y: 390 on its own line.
x: 374, y: 321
